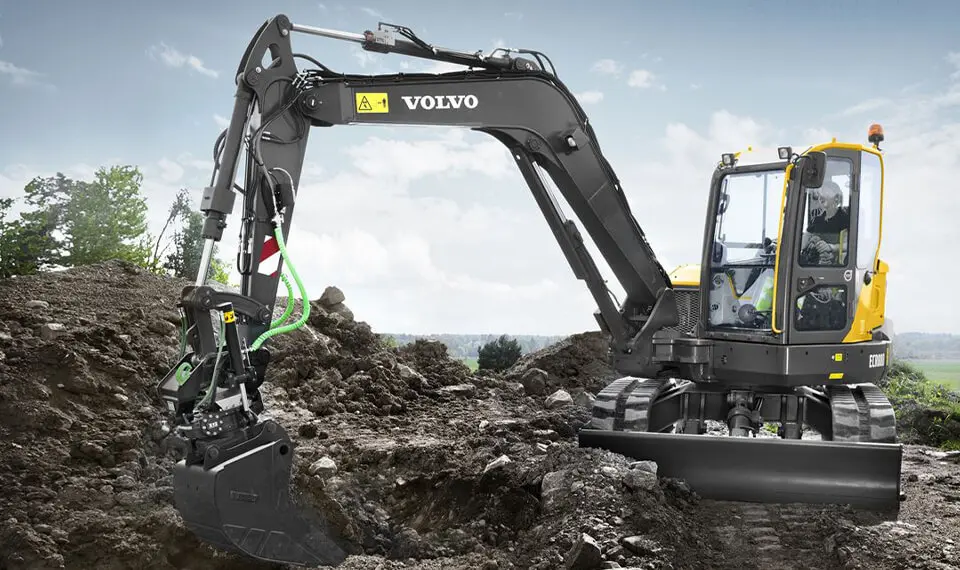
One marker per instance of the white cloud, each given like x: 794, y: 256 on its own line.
x: 371, y: 12
x: 607, y: 67
x: 19, y: 75
x: 589, y: 97
x: 514, y: 15
x: 641, y: 78
x: 867, y: 106
x: 170, y: 171
x: 171, y: 57
x: 953, y: 58
x: 221, y: 121
x: 363, y: 57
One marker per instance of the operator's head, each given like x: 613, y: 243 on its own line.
x: 830, y: 197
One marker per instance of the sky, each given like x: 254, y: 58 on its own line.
x: 431, y: 230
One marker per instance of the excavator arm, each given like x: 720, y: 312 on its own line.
x: 231, y: 487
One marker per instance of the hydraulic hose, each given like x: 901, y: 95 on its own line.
x: 278, y: 234
x: 289, y: 308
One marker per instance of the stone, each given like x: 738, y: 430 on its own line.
x: 558, y: 399
x: 497, y: 463
x: 332, y: 296
x: 534, y: 382
x: 584, y: 555
x: 323, y: 466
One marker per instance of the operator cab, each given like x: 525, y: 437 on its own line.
x: 791, y: 246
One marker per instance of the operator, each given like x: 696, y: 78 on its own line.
x: 830, y: 224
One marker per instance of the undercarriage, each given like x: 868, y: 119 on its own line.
x: 834, y: 444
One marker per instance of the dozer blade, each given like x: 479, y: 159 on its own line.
x: 863, y: 475
x: 238, y: 500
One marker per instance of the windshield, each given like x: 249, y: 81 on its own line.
x: 748, y: 214
x: 744, y: 249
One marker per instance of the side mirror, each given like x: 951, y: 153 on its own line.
x: 814, y: 169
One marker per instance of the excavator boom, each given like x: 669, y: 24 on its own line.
x: 232, y: 485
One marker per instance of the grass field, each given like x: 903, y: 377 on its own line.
x: 943, y: 371
x: 471, y: 362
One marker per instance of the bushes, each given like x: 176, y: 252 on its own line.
x: 928, y: 413
x: 499, y: 355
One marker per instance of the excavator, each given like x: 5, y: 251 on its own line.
x: 779, y: 324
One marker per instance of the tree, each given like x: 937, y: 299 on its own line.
x: 184, y: 260
x: 30, y: 244
x: 498, y: 355
x: 107, y: 219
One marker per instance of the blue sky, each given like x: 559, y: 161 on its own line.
x: 429, y: 246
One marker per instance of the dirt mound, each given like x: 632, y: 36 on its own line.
x: 423, y: 464
x: 84, y: 469
x: 579, y: 362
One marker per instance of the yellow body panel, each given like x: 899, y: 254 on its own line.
x: 870, y: 306
x: 686, y: 275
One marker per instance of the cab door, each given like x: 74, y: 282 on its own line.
x: 823, y: 287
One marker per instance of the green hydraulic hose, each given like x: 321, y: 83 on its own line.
x: 289, y: 309
x: 278, y: 233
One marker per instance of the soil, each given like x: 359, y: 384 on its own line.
x: 422, y: 463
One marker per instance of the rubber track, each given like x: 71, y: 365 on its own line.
x: 625, y: 404
x: 862, y: 413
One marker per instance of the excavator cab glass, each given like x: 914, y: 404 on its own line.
x: 747, y: 219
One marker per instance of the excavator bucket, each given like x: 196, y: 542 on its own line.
x: 863, y: 475
x: 238, y: 500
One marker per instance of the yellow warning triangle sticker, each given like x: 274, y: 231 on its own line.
x: 364, y: 104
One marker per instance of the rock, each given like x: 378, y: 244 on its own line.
x: 408, y: 373
x: 161, y: 327
x: 646, y: 465
x: 585, y: 399
x: 558, y: 399
x: 534, y: 382
x: 35, y: 304
x: 332, y: 296
x: 639, y: 545
x: 610, y: 471
x: 323, y: 467
x: 552, y: 486
x: 343, y: 311
x: 637, y: 479
x: 51, y: 331
x: 584, y: 555
x: 497, y: 463
x: 461, y: 389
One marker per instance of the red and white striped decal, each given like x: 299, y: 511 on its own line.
x: 269, y: 257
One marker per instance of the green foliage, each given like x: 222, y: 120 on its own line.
x: 30, y: 244
x: 928, y: 412
x: 69, y: 223
x: 389, y: 341
x: 499, y: 354
x: 218, y: 271
x: 106, y: 219
x: 184, y: 260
